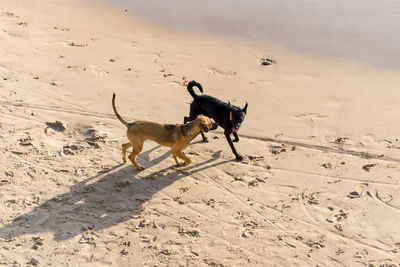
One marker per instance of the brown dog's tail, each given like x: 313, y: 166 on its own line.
x: 190, y: 86
x: 124, y: 122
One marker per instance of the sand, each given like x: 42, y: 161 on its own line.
x: 317, y: 186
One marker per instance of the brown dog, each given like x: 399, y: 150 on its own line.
x: 176, y: 136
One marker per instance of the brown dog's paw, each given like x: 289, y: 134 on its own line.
x: 180, y: 164
x: 140, y: 168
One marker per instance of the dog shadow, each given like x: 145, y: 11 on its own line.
x: 144, y: 157
x: 100, y: 201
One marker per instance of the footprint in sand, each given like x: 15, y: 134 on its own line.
x: 33, y: 262
x: 339, y: 251
x: 77, y: 67
x: 368, y: 167
x: 156, y: 55
x: 22, y: 24
x: 217, y: 72
x: 9, y: 14
x: 360, y: 254
x: 134, y: 43
x: 315, y: 244
x: 56, y: 42
x: 341, y: 140
x: 256, y: 182
x: 165, y: 73
x: 255, y: 159
x: 132, y: 70
x: 56, y: 126
x: 77, y: 44
x: 64, y: 29
x: 312, y: 120
x: 312, y: 198
x: 114, y: 59
x: 66, y: 42
x: 267, y: 61
x: 326, y: 165
x: 37, y: 242
x: 353, y: 195
x: 340, y: 216
x: 98, y: 71
x: 310, y: 116
x: 276, y: 150
x: 14, y: 35
x: 188, y: 232
x: 385, y: 199
x: 25, y: 141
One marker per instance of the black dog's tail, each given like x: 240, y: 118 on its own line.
x: 124, y: 122
x: 190, y: 86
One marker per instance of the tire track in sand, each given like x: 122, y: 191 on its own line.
x: 360, y: 154
x: 309, y: 224
x: 275, y: 225
x: 334, y: 176
x: 332, y: 233
x: 260, y: 257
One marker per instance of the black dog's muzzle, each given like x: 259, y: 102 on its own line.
x: 214, y: 126
x: 235, y: 127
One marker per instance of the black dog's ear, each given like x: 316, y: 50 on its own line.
x: 245, y: 108
x: 230, y: 105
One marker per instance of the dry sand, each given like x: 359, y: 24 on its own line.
x: 317, y: 186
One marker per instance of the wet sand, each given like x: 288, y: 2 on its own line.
x: 367, y: 31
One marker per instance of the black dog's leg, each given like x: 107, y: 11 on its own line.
x: 236, y: 137
x: 205, y: 139
x: 194, y: 111
x: 228, y: 138
x: 186, y: 120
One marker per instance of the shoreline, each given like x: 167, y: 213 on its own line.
x: 332, y: 29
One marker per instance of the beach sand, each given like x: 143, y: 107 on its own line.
x: 320, y: 143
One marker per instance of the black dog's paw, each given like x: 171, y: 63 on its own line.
x: 235, y: 140
x: 205, y: 140
x: 239, y: 158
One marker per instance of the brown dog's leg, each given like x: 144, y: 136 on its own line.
x: 176, y: 159
x: 136, y: 149
x: 177, y: 153
x: 124, y: 148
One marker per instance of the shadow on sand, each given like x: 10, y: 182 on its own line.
x: 100, y: 201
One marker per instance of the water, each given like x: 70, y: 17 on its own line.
x: 365, y: 30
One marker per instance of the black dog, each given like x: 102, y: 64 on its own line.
x: 226, y: 115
